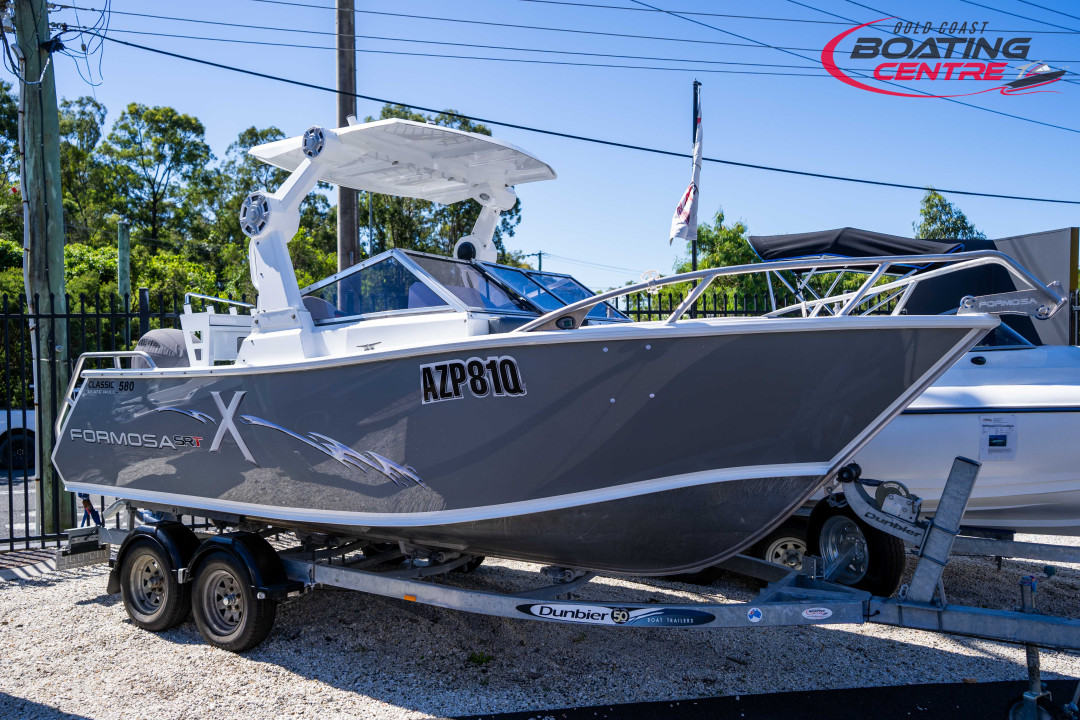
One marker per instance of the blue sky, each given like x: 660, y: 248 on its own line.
x: 612, y: 207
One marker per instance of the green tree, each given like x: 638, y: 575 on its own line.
x: 158, y: 159
x: 311, y: 261
x: 724, y: 245
x: 939, y: 219
x: 172, y: 275
x: 241, y: 174
x: 89, y: 271
x: 11, y: 214
x: 9, y: 131
x: 82, y: 173
x: 429, y: 227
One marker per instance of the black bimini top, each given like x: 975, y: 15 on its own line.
x: 853, y: 242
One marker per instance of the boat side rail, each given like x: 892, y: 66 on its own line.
x: 76, y: 375
x: 227, y: 301
x: 572, y: 316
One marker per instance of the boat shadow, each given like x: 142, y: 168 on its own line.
x: 16, y: 707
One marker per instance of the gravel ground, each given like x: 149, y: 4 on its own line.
x: 68, y: 648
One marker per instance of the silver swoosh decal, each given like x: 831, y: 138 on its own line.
x: 200, y: 416
x: 346, y: 455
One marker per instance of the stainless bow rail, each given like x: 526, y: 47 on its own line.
x: 842, y: 304
x: 115, y: 355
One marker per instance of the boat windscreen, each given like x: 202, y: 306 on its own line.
x: 470, y: 285
x: 525, y: 286
x: 571, y: 291
x: 1002, y: 336
x: 385, y: 286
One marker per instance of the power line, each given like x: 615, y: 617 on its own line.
x: 601, y: 266
x: 903, y: 87
x: 1023, y: 17
x: 684, y: 12
x: 1043, y: 7
x: 293, y: 3
x: 454, y: 20
x: 582, y: 138
x: 467, y: 45
x: 757, y: 17
x: 500, y: 59
x: 483, y: 46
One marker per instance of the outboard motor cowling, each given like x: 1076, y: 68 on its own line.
x: 165, y: 347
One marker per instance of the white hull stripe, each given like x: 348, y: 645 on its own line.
x: 446, y: 517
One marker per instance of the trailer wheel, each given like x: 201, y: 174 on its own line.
x: 227, y: 612
x: 784, y: 546
x: 879, y: 562
x: 153, y: 598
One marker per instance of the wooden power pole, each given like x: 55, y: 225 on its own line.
x: 43, y: 247
x: 348, y: 228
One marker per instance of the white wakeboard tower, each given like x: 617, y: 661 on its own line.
x: 392, y: 157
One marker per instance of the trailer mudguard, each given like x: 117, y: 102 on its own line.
x: 265, y: 571
x: 177, y: 541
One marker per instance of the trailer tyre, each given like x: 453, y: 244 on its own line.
x: 153, y: 598
x: 784, y: 546
x: 227, y: 611
x: 880, y: 562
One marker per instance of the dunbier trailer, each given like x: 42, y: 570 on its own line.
x: 156, y: 560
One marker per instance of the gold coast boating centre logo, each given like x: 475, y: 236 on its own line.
x: 942, y: 59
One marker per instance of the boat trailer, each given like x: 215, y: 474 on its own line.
x: 174, y: 557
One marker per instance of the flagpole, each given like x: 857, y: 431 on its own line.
x: 693, y: 139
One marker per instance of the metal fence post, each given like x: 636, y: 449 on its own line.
x: 144, y: 311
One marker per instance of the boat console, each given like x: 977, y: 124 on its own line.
x: 396, y: 298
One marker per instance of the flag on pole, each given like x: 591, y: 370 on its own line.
x: 684, y: 222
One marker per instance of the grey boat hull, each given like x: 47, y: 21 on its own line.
x: 635, y: 449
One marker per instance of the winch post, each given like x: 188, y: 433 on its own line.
x: 1035, y: 691
x: 938, y: 540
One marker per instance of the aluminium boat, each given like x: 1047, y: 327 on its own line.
x: 449, y: 403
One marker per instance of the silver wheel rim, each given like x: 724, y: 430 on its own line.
x: 787, y: 551
x: 148, y: 588
x: 223, y: 601
x: 838, y: 535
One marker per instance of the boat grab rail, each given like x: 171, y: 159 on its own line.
x: 227, y: 301
x: 572, y: 316
x: 116, y: 356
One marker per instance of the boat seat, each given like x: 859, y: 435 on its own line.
x: 421, y: 296
x: 320, y: 309
x: 469, y: 296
